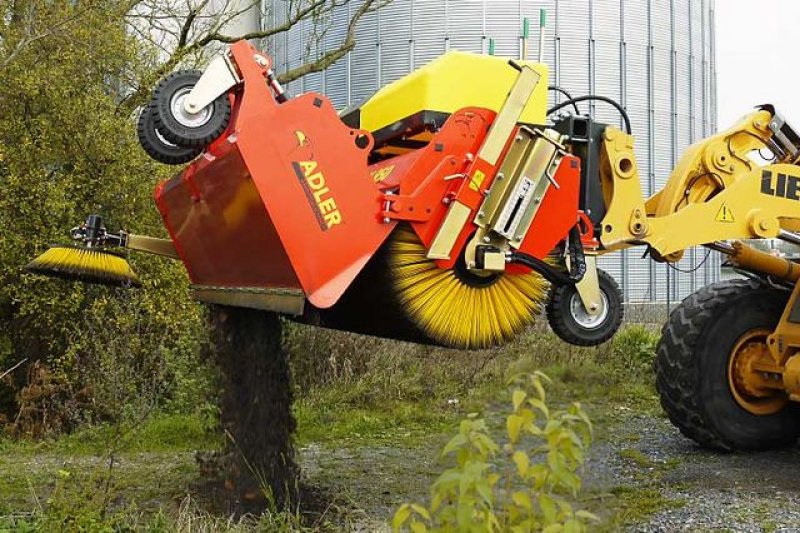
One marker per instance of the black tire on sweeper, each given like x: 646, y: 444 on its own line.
x: 196, y: 130
x: 570, y: 321
x: 154, y: 143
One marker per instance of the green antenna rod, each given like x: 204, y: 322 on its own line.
x: 542, y: 26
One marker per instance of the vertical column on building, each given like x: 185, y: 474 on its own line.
x: 713, y: 89
x: 692, y: 119
x: 673, y: 277
x: 411, y: 41
x: 651, y: 115
x: 623, y: 92
x: 557, y: 42
x: 592, y: 61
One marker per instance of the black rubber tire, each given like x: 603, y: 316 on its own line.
x: 568, y: 329
x: 692, y: 367
x: 154, y: 144
x: 189, y: 136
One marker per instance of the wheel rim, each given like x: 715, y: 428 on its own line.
x: 163, y: 140
x: 752, y: 389
x: 183, y: 117
x: 582, y: 316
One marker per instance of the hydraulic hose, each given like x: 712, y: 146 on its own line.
x: 556, y: 277
x: 572, y: 101
x: 566, y: 93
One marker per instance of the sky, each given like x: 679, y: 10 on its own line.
x: 758, y: 59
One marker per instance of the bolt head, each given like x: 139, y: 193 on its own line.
x: 487, y: 240
x: 386, y: 220
x: 445, y: 200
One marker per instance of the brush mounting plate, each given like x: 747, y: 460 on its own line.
x: 93, y: 233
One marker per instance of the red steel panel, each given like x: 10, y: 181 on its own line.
x: 318, y: 223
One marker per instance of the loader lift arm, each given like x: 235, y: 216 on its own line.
x: 728, y: 363
x: 715, y: 193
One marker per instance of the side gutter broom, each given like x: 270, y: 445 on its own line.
x: 92, y: 259
x: 90, y: 265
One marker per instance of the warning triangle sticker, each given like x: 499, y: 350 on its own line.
x: 725, y: 214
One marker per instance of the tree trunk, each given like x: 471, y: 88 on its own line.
x: 255, y: 408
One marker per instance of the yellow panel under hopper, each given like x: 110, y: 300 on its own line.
x: 449, y: 83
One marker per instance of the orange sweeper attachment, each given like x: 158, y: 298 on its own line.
x: 444, y: 210
x: 437, y: 211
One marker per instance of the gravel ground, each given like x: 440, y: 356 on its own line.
x: 697, y: 490
x: 706, y: 490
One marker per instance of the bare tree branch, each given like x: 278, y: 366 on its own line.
x: 332, y: 56
x: 10, y: 370
x: 187, y: 25
x: 191, y: 26
x: 314, y: 6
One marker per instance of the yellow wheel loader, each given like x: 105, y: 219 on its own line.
x: 727, y: 365
x: 448, y: 207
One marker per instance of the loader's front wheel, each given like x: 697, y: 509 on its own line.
x: 572, y: 323
x: 156, y: 146
x: 180, y: 127
x: 705, y: 375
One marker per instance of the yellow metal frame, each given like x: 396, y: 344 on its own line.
x: 717, y: 193
x: 714, y: 193
x: 526, y: 82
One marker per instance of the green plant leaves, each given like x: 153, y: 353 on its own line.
x: 540, y: 461
x: 523, y: 462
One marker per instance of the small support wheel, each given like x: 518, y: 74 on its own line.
x: 192, y: 130
x: 573, y: 324
x: 154, y: 143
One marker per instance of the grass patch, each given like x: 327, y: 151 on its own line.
x: 636, y: 504
x: 396, y: 423
x: 154, y: 465
x: 162, y: 433
x: 378, y: 391
x: 379, y: 408
x: 636, y: 457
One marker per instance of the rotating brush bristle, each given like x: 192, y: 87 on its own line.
x: 85, y: 264
x: 454, y: 312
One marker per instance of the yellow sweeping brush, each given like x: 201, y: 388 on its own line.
x: 85, y: 264
x: 459, y: 309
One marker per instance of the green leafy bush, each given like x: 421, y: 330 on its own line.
x: 633, y: 350
x: 522, y: 485
x: 68, y: 149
